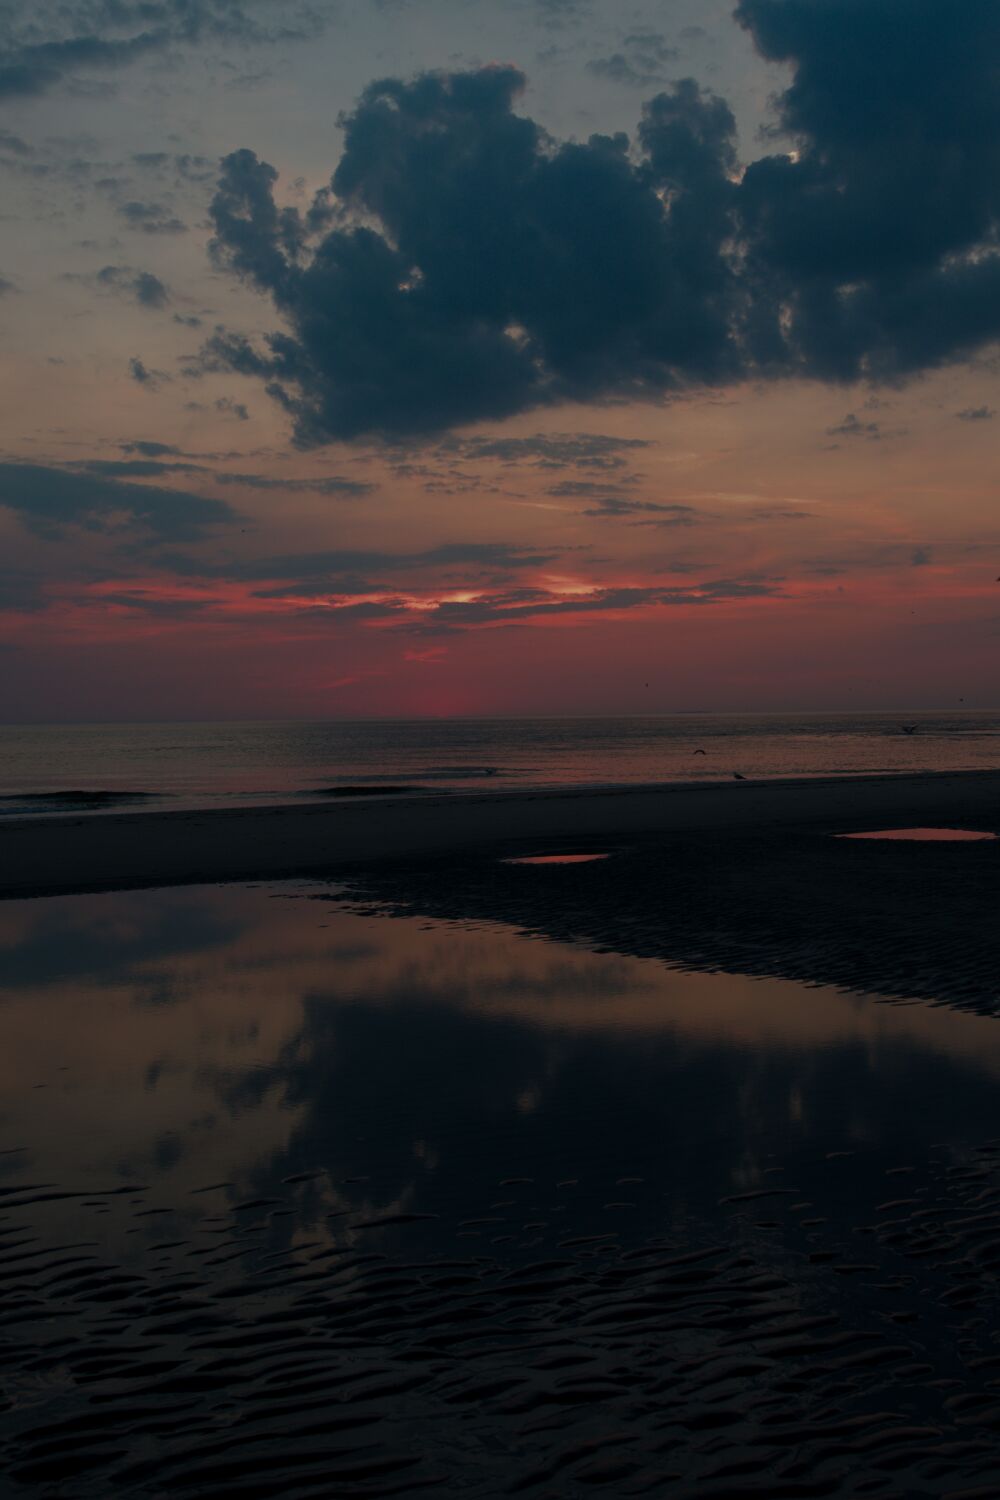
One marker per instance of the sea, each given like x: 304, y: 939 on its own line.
x: 97, y: 769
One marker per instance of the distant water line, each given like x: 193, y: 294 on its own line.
x: 103, y: 768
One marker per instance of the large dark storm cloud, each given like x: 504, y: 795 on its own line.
x: 464, y: 265
x: 880, y: 236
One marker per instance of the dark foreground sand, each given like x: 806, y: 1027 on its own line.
x: 120, y: 850
x: 776, y: 1358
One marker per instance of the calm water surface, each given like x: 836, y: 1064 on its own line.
x: 245, y: 1035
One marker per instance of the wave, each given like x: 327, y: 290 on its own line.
x: 359, y: 791
x: 69, y: 800
x: 460, y: 773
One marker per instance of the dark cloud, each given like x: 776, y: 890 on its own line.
x: 7, y: 286
x: 650, y: 47
x: 513, y: 608
x: 14, y: 144
x: 618, y: 69
x: 551, y: 450
x: 20, y: 591
x: 448, y: 555
x: 558, y: 13
x: 143, y: 375
x: 976, y: 414
x: 319, y: 568
x: 140, y: 286
x: 136, y: 468
x: 873, y: 246
x: 149, y: 604
x: 853, y: 427
x: 44, y: 43
x: 230, y: 408
x: 331, y: 484
x: 504, y: 606
x: 588, y: 489
x: 478, y: 268
x: 48, y: 500
x: 640, y: 63
x: 665, y: 515
x: 511, y: 270
x: 150, y: 218
x: 149, y: 449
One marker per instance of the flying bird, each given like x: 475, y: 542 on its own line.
x: 738, y: 777
x: 699, y: 752
x: 909, y: 728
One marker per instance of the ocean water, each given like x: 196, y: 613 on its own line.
x: 99, y: 768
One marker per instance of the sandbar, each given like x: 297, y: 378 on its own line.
x: 121, y: 850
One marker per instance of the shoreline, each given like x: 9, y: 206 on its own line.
x: 74, y: 854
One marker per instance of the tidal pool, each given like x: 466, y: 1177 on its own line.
x: 294, y: 1196
x: 924, y: 835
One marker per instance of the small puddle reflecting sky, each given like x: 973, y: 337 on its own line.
x: 248, y: 1035
x: 555, y: 859
x: 923, y: 835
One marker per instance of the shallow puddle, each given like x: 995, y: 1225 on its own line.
x: 555, y: 859
x: 924, y: 835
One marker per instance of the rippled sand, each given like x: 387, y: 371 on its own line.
x: 786, y: 1359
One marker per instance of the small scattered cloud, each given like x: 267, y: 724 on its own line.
x: 330, y: 484
x: 48, y: 43
x: 976, y: 414
x: 229, y: 408
x: 852, y: 427
x: 664, y: 514
x: 150, y: 218
x: 144, y: 376
x: 13, y: 144
x: 550, y: 450
x: 137, y: 468
x: 639, y: 63
x: 141, y: 287
x: 618, y: 69
x: 149, y: 449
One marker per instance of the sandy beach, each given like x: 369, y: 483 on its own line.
x: 123, y: 850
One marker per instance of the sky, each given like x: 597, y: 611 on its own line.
x: 490, y: 357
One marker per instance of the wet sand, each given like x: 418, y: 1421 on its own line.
x: 783, y: 1360
x: 121, y: 850
x: 905, y: 921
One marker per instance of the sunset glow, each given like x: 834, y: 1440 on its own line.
x: 618, y: 537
